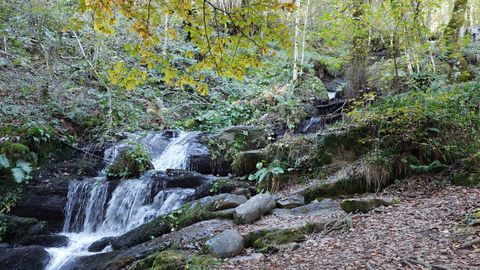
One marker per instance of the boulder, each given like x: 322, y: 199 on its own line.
x: 291, y: 201
x: 24, y: 258
x: 222, y: 201
x: 316, y: 208
x: 181, y: 179
x: 141, y: 234
x: 229, y: 243
x: 364, y: 205
x: 45, y: 200
x: 50, y: 240
x: 101, y: 244
x: 223, y: 185
x: 254, y: 208
x: 21, y: 229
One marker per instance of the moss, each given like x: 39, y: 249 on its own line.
x: 201, y: 262
x: 16, y: 150
x: 466, y: 179
x: 132, y: 162
x: 347, y: 186
x: 270, y: 241
x: 169, y: 260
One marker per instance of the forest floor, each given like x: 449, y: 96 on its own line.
x: 424, y: 231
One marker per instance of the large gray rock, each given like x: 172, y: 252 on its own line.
x: 291, y: 201
x: 316, y: 208
x: 49, y: 240
x: 229, y: 243
x: 24, y: 258
x: 254, y: 208
x: 222, y: 201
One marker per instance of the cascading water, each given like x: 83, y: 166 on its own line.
x: 173, y: 157
x: 91, y: 214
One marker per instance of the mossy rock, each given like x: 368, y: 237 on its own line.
x: 187, y: 215
x: 17, y: 228
x: 346, y: 186
x: 346, y: 144
x: 271, y: 240
x: 364, y: 205
x: 311, y: 88
x: 131, y: 162
x: 15, y: 151
x: 466, y: 179
x: 169, y: 260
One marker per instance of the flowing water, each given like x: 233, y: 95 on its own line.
x: 91, y: 213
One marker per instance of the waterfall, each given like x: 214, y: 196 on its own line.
x: 85, y: 205
x: 91, y: 213
x: 175, y: 155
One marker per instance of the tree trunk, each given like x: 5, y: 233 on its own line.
x: 452, y: 42
x: 305, y: 25
x: 295, y: 41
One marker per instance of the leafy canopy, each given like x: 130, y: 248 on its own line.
x: 229, y: 39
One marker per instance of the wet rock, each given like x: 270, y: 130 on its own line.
x: 181, y: 179
x: 323, y: 207
x: 24, y: 258
x: 45, y: 200
x: 291, y: 201
x: 187, y: 215
x: 254, y: 208
x: 21, y: 228
x: 229, y: 243
x: 99, y: 245
x: 188, y: 237
x: 222, y: 185
x: 141, y: 234
x: 51, y: 240
x: 364, y: 205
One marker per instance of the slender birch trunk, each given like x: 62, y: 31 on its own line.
x: 305, y: 25
x: 295, y: 41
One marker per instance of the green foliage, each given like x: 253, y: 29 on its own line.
x: 130, y: 163
x: 267, y: 174
x: 427, y: 129
x: 19, y: 173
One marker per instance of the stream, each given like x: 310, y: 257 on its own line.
x: 91, y: 213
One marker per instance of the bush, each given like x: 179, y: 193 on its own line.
x: 130, y: 163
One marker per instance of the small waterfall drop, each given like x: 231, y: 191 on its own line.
x: 93, y: 211
x: 85, y: 205
x: 175, y: 156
